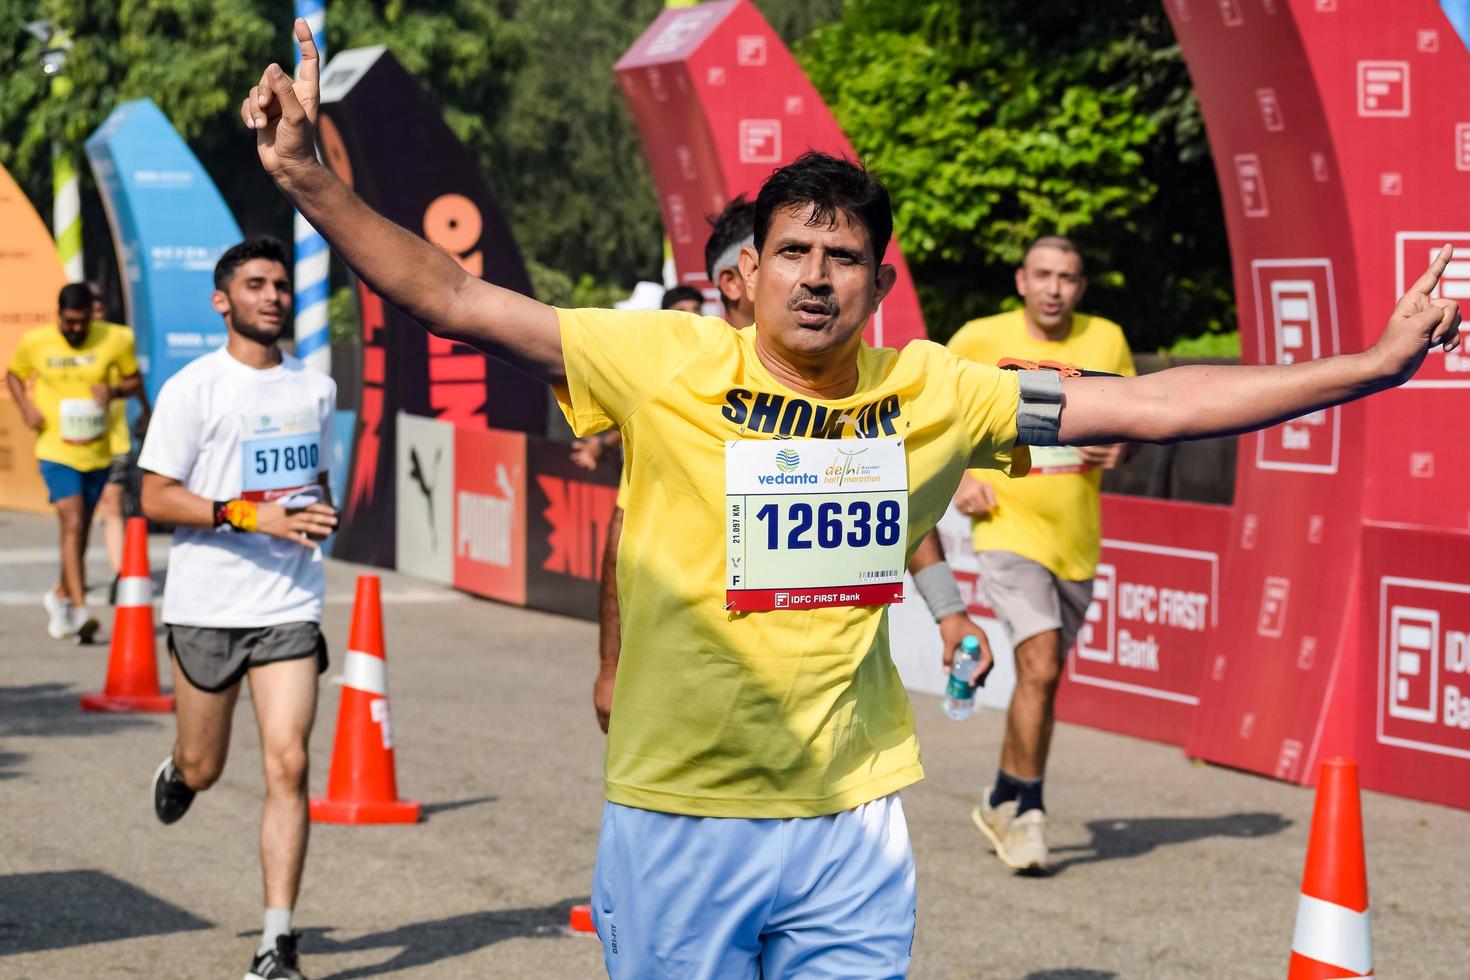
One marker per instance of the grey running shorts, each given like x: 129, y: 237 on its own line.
x: 1029, y: 600
x: 215, y: 658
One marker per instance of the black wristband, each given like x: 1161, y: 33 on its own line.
x: 221, y: 515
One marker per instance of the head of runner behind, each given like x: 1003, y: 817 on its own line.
x: 74, y: 313
x: 815, y: 266
x: 252, y: 291
x: 730, y: 231
x: 685, y: 299
x: 1051, y: 280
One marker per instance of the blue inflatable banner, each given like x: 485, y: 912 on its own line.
x: 169, y: 226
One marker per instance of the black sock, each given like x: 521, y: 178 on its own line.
x: 1027, y: 792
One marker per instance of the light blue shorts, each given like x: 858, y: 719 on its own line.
x: 689, y: 898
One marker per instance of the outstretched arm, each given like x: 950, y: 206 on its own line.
x: 418, y: 278
x: 1200, y: 401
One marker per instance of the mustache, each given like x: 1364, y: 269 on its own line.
x: 829, y: 304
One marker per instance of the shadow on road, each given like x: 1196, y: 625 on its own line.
x: 61, y: 909
x: 8, y: 763
x: 431, y: 809
x: 1113, y: 839
x: 1071, y: 973
x: 56, y: 709
x: 423, y: 943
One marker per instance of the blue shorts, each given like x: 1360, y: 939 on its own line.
x: 62, y: 481
x: 690, y: 898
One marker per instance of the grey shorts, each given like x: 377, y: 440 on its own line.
x: 215, y: 658
x: 117, y: 470
x: 1029, y: 600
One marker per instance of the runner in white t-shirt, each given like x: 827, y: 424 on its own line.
x: 236, y: 459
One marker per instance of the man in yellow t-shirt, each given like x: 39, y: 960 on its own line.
x: 1037, y: 539
x: 760, y: 733
x: 59, y: 378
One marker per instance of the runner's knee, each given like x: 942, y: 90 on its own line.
x: 200, y: 770
x: 285, y: 768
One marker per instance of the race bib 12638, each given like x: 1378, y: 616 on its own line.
x: 813, y: 523
x: 279, y: 454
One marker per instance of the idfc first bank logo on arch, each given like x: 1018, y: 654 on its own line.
x: 1424, y: 666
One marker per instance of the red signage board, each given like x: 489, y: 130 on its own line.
x: 490, y: 513
x: 1143, y: 647
x: 720, y: 103
x: 1414, y: 662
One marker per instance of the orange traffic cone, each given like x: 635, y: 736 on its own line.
x: 581, y: 919
x: 361, y: 785
x: 132, y: 666
x: 1332, y: 937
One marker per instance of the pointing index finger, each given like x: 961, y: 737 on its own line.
x: 310, y: 64
x: 1430, y: 279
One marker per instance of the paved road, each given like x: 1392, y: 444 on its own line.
x: 1166, y: 869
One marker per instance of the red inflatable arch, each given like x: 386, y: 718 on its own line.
x: 720, y: 103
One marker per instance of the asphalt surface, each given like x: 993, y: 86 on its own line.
x: 1165, y: 868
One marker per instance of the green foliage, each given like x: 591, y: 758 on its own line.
x: 342, y: 315
x: 996, y: 121
x: 1208, y: 345
x: 559, y: 289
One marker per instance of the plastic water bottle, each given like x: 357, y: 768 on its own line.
x: 959, y: 696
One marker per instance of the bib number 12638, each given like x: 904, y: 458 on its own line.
x: 815, y: 523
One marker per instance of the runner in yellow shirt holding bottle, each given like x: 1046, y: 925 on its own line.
x: 1037, y: 539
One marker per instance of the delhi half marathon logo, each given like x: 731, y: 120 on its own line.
x: 788, y: 460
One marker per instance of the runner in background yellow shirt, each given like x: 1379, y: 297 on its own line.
x: 794, y: 711
x: 1037, y: 539
x: 64, y: 377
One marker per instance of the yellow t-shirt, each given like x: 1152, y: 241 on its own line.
x: 63, y: 376
x: 765, y: 714
x: 119, y: 440
x: 1054, y: 518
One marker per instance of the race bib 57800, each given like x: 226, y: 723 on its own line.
x: 813, y: 523
x: 279, y: 454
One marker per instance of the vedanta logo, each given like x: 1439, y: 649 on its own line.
x: 787, y: 460
x: 767, y: 479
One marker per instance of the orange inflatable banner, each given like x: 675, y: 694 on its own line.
x: 30, y: 277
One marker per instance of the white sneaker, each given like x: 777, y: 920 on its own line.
x: 1019, y: 840
x: 60, y: 611
x: 83, y: 625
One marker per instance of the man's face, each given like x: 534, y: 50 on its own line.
x: 257, y: 301
x: 74, y: 324
x: 815, y: 286
x: 687, y: 306
x: 1051, y: 283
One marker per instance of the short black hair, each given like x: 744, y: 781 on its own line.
x: 74, y: 296
x: 830, y: 184
x: 255, y: 247
x: 680, y: 294
x: 1062, y: 244
x: 732, y: 226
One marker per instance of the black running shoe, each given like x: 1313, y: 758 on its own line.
x: 279, y: 963
x: 171, y: 798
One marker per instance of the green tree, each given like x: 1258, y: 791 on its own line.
x: 996, y: 121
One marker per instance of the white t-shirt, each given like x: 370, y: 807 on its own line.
x: 225, y: 430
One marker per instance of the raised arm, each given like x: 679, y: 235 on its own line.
x: 418, y: 278
x: 1201, y: 401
